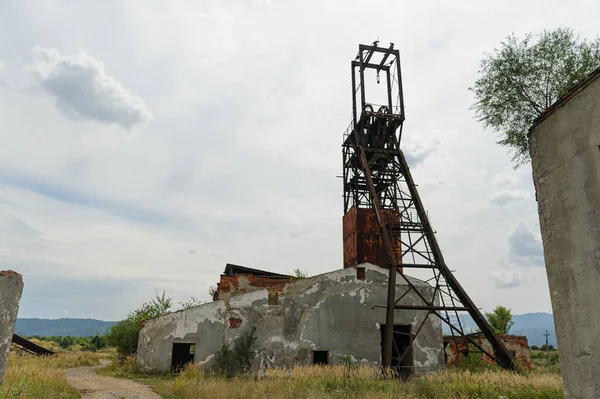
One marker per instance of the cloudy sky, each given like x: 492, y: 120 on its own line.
x: 145, y: 144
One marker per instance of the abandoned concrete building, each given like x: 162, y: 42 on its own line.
x: 342, y: 314
x: 314, y: 320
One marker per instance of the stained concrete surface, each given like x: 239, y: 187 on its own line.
x: 330, y: 312
x: 11, y: 288
x: 565, y: 153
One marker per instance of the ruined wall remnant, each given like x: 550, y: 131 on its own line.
x: 516, y: 344
x: 243, y: 283
x: 331, y: 312
x: 11, y: 287
x: 237, y: 280
x: 565, y: 155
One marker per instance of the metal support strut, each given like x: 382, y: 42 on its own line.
x: 377, y: 177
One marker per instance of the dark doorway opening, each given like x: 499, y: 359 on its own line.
x: 404, y: 367
x: 321, y: 357
x: 182, y: 354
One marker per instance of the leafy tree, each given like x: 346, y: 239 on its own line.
x: 124, y: 334
x: 521, y: 79
x: 500, y: 320
x: 97, y: 342
x: 91, y: 343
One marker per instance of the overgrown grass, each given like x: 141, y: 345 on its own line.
x: 361, y: 382
x: 31, y: 377
x: 125, y: 368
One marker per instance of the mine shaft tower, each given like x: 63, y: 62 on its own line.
x: 385, y: 222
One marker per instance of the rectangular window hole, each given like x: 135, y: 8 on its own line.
x: 321, y: 357
x: 360, y: 273
x: 273, y: 298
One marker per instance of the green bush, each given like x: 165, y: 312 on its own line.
x: 231, y: 361
x: 124, y: 334
x: 472, y: 360
x: 91, y: 343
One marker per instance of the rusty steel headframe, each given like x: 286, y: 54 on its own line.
x: 377, y: 177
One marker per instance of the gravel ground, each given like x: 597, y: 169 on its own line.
x: 94, y: 386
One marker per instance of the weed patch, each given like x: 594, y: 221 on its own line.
x: 32, y: 377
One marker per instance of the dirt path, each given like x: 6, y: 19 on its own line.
x: 94, y: 386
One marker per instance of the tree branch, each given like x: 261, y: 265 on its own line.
x: 524, y: 94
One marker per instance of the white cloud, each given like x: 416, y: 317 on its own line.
x: 255, y: 105
x: 504, y: 197
x: 505, y: 277
x: 521, y: 264
x: 416, y: 152
x: 4, y: 80
x: 2, y: 77
x: 525, y: 247
x: 83, y: 90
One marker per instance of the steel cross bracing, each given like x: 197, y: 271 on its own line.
x: 376, y: 175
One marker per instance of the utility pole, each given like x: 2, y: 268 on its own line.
x: 547, y: 355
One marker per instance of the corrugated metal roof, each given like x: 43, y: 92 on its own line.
x: 231, y: 269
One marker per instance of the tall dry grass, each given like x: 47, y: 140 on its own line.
x: 31, y: 377
x: 361, y: 382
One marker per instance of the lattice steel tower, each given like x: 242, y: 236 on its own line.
x: 385, y: 222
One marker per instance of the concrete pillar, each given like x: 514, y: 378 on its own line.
x: 565, y: 154
x: 11, y: 287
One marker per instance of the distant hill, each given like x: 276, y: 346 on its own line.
x: 61, y: 327
x: 531, y: 325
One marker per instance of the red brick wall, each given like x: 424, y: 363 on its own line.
x: 243, y: 283
x: 516, y: 344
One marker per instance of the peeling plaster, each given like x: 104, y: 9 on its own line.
x: 329, y: 312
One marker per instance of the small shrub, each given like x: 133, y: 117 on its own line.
x: 473, y: 361
x: 299, y: 274
x: 231, y: 361
x: 190, y: 303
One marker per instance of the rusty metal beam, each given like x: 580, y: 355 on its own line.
x: 28, y: 346
x: 377, y: 177
x: 389, y: 319
x: 426, y: 307
x: 370, y: 66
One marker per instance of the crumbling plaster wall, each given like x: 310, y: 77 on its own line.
x: 331, y: 312
x: 11, y: 288
x: 565, y: 157
x: 334, y: 312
